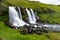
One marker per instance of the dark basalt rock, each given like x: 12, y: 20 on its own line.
x: 25, y: 30
x: 1, y: 39
x: 31, y: 30
x: 44, y: 30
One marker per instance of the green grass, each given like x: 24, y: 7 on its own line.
x: 7, y: 33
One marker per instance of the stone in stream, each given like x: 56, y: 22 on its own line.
x: 31, y: 30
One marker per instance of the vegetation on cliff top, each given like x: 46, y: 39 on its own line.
x: 47, y: 13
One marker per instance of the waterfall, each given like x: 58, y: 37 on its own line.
x: 14, y: 18
x: 33, y: 15
x: 20, y: 16
x: 32, y: 19
x: 29, y: 16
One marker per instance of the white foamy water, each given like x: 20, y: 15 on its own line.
x: 31, y: 18
x: 14, y: 18
x: 33, y: 15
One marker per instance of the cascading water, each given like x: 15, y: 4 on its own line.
x: 20, y: 16
x: 14, y: 18
x: 30, y: 17
x: 33, y: 15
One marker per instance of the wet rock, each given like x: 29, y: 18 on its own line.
x: 1, y: 38
x: 25, y: 30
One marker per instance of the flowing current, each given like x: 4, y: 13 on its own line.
x: 14, y: 18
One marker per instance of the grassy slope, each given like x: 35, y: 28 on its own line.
x: 7, y: 33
